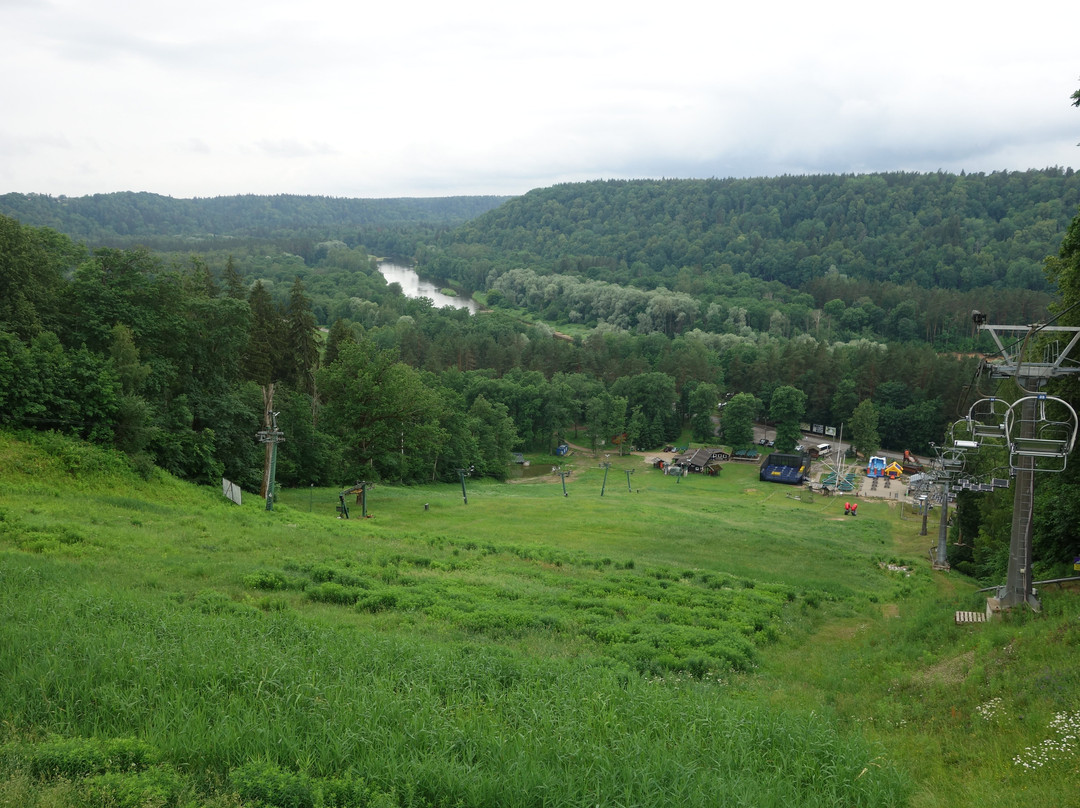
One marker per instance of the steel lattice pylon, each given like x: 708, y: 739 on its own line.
x: 1029, y: 433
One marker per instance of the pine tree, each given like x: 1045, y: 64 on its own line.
x: 234, y: 284
x: 265, y: 355
x: 340, y: 333
x: 301, y: 331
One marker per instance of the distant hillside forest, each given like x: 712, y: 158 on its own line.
x: 296, y: 223
x: 897, y: 256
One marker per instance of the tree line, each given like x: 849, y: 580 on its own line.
x: 127, y: 219
x: 169, y: 360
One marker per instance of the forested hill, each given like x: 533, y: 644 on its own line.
x: 121, y: 219
x: 936, y: 230
x: 944, y: 231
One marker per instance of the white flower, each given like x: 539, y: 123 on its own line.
x: 1064, y: 727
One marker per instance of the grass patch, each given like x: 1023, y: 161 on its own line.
x: 702, y: 643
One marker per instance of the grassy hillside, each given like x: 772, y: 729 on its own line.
x: 702, y: 642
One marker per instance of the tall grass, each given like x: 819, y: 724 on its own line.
x: 213, y: 687
x: 712, y: 640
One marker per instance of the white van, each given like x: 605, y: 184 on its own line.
x: 824, y: 448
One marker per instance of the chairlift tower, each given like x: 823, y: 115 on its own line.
x: 1039, y: 432
x: 271, y: 436
x: 948, y: 466
x: 563, y: 472
x: 462, y: 474
x: 606, y: 466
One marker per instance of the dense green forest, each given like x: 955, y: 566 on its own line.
x: 892, y: 257
x: 898, y: 256
x: 296, y: 223
x: 935, y: 230
x: 853, y: 291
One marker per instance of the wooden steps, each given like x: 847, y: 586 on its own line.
x: 964, y: 618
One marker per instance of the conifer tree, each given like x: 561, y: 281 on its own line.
x: 303, y: 346
x: 234, y: 284
x: 265, y: 353
x: 339, y: 334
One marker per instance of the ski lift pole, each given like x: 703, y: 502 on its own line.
x: 363, y: 500
x: 942, y: 558
x: 271, y: 436
x: 462, y: 473
x: 603, y: 486
x: 273, y: 475
x: 563, y: 473
x: 628, y: 473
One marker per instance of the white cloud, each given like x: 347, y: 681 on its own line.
x: 425, y: 98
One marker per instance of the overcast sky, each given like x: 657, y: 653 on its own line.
x: 424, y: 98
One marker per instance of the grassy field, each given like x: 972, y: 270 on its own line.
x: 703, y: 641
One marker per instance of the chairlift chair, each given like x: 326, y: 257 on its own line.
x: 952, y: 460
x: 1048, y: 440
x: 986, y: 419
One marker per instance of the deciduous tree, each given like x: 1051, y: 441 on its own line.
x: 786, y: 409
x: 703, y: 412
x: 864, y: 428
x: 737, y: 420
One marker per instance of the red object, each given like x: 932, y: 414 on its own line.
x: 847, y: 507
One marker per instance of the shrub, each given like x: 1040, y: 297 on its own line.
x: 377, y: 601
x: 272, y: 604
x: 214, y: 602
x: 333, y: 592
x: 158, y: 787
x: 266, y: 580
x: 264, y: 783
x: 349, y: 792
x: 80, y: 757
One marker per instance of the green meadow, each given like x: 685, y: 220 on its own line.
x: 674, y: 642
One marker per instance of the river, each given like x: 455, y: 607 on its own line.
x: 415, y: 286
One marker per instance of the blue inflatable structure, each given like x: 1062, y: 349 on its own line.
x: 780, y: 467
